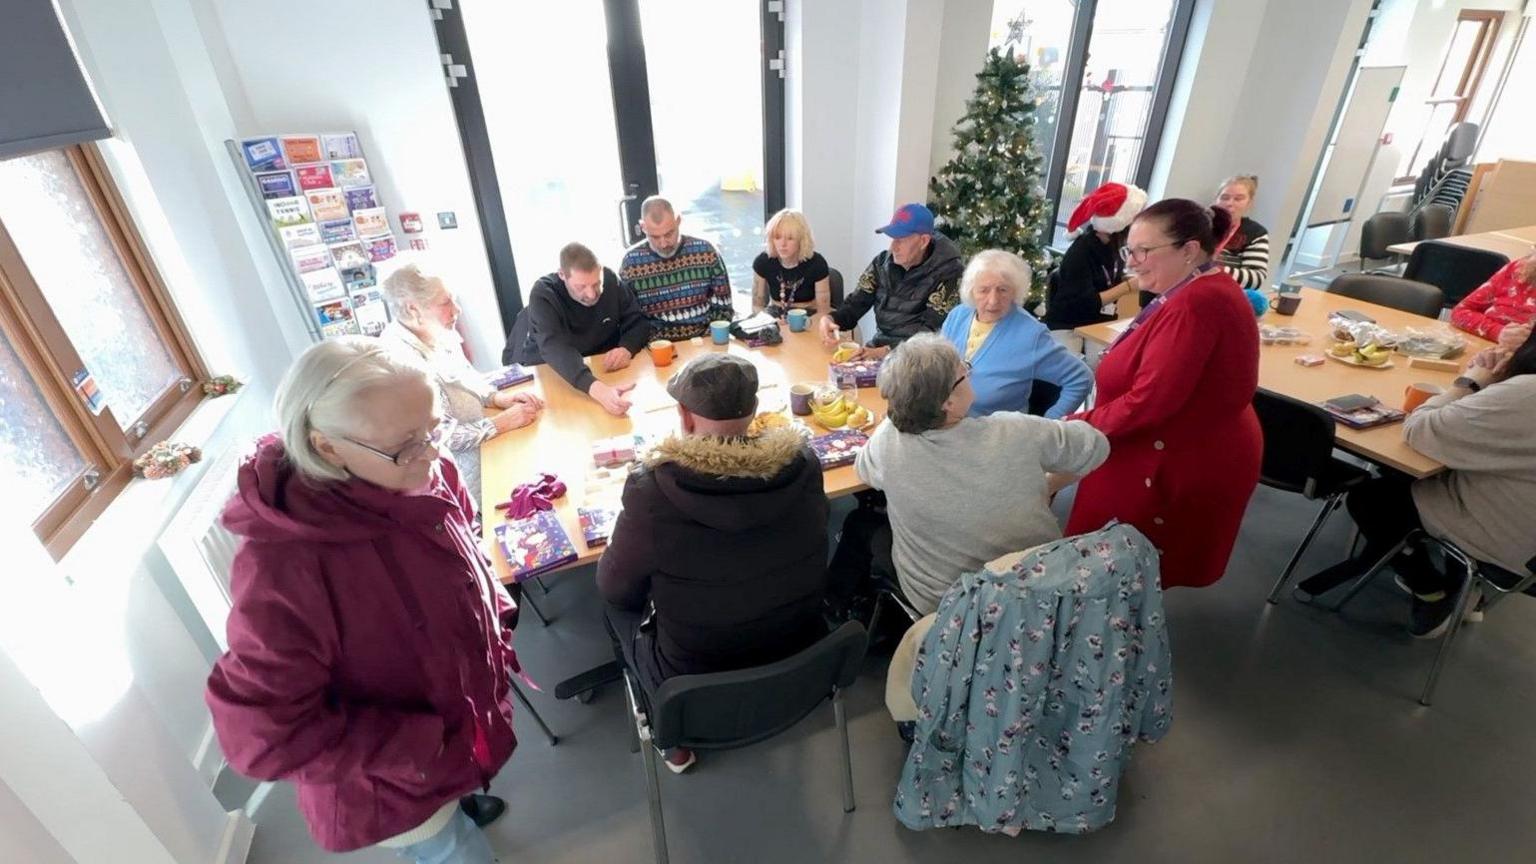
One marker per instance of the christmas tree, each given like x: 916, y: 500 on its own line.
x: 989, y: 195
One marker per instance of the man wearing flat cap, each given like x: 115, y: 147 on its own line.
x: 723, y: 533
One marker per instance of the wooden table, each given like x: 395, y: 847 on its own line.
x: 560, y: 442
x: 1512, y: 243
x: 1278, y: 373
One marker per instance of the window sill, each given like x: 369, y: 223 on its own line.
x: 136, y: 516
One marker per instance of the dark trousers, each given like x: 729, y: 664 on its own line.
x: 1384, y: 511
x: 863, y: 551
x: 633, y: 648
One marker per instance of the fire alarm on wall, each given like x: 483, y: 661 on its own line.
x: 410, y: 223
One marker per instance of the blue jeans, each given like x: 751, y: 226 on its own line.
x: 458, y: 843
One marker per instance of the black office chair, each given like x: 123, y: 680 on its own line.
x: 727, y: 710
x: 1298, y: 457
x: 1042, y: 395
x: 1397, y: 292
x: 1379, y: 232
x: 1455, y: 270
x: 1493, y: 582
x: 516, y: 338
x: 835, y: 278
x: 1432, y: 221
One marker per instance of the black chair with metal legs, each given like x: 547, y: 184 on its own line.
x: 1456, y: 270
x: 1492, y: 582
x: 1298, y: 457
x: 727, y: 710
x: 835, y: 286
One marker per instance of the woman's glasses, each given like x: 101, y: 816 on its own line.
x: 414, y: 451
x: 963, y: 376
x: 1138, y: 254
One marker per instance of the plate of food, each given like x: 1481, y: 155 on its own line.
x: 1369, y: 356
x: 765, y: 421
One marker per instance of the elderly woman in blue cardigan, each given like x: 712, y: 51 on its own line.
x: 1005, y: 347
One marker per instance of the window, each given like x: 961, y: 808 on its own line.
x: 1122, y: 56
x: 79, y: 297
x: 1461, y: 70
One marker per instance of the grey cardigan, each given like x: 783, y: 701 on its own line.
x: 1486, y: 502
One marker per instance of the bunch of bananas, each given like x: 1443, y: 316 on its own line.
x: 836, y: 411
x: 1369, y: 354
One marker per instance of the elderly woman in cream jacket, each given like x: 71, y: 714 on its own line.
x: 425, y: 313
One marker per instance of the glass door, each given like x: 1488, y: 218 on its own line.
x: 592, y: 105
x: 544, y: 88
x: 703, y: 60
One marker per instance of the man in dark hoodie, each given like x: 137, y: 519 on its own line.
x: 724, y: 533
x: 911, y: 287
x: 580, y: 310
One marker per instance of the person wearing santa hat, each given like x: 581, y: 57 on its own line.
x: 1091, y: 275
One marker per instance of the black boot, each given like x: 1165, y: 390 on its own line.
x: 483, y: 809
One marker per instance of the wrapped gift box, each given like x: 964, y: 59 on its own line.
x: 597, y: 524
x: 613, y: 451
x: 855, y: 373
x: 510, y: 376
x: 838, y: 447
x: 535, y: 545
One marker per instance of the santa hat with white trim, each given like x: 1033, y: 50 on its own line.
x: 1109, y: 208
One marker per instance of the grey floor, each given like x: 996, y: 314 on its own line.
x: 1296, y: 737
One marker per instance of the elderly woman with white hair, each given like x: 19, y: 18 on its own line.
x: 369, y: 643
x: 960, y: 489
x: 1007, y: 349
x: 425, y: 313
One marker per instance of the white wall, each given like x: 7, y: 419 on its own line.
x: 967, y: 28
x: 22, y: 836
x: 372, y: 66
x: 1256, y: 93
x: 83, y: 750
x: 823, y: 67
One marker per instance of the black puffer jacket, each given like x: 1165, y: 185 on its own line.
x: 906, y: 302
x: 728, y: 537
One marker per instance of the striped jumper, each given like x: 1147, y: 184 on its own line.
x: 1246, y: 255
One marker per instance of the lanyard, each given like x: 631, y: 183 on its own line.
x: 1157, y: 303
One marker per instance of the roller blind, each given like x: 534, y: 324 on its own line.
x: 45, y: 101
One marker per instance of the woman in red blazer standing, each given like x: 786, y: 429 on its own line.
x: 1175, y: 399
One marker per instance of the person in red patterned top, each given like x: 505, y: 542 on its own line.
x: 1503, y: 307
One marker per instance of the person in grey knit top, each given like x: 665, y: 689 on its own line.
x: 961, y: 490
x: 1481, y: 430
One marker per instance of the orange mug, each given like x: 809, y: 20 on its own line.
x: 662, y: 352
x: 1418, y: 394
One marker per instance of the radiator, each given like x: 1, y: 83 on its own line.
x: 198, y: 548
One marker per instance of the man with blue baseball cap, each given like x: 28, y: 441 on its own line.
x: 911, y: 287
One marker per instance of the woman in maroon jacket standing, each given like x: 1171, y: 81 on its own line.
x: 368, y: 660
x: 1175, y: 398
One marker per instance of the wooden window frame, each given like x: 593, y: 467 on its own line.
x: 1471, y: 74
x: 39, y: 340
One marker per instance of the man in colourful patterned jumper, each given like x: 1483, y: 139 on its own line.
x: 679, y: 280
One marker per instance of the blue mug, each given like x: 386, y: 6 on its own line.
x: 798, y: 319
x: 720, y: 332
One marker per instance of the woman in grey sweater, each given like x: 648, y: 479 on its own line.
x: 1481, y: 430
x: 961, y: 490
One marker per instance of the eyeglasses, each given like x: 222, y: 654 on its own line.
x: 961, y: 379
x: 414, y: 451
x: 1135, y: 254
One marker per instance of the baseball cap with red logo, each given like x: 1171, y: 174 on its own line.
x: 909, y: 219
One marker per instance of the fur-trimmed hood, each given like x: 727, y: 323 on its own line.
x: 733, y: 484
x: 762, y: 457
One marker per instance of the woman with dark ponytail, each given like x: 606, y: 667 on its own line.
x: 1175, y: 398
